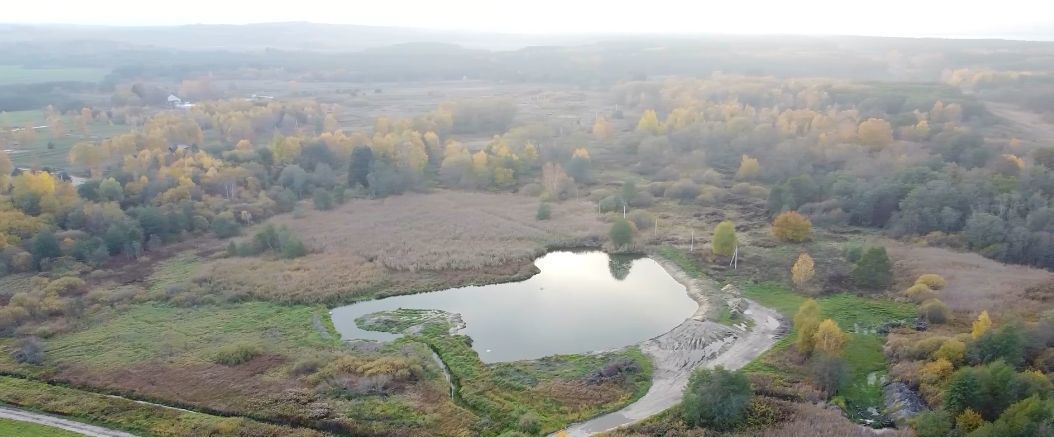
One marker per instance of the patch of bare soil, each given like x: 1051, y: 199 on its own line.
x: 975, y: 283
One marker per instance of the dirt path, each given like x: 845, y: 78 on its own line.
x: 58, y: 422
x: 695, y: 342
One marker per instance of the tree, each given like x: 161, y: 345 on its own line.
x: 323, y: 199
x: 791, y: 226
x: 621, y: 233
x: 829, y: 373
x: 806, y: 322
x: 829, y: 338
x: 875, y: 132
x: 968, y: 420
x: 963, y: 391
x: 603, y: 130
x: 803, y: 270
x: 359, y: 168
x: 716, y: 398
x: 981, y: 325
x: 724, y: 242
x: 45, y: 246
x: 748, y: 168
x: 873, y: 271
x: 931, y: 280
x: 649, y: 122
x: 934, y: 311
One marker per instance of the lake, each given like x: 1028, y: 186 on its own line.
x: 579, y: 302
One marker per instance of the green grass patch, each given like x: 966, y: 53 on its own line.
x: 682, y: 259
x: 27, y: 429
x: 189, y: 335
x: 554, y: 390
x: 863, y: 351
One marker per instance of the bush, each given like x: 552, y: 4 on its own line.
x: 545, y: 211
x: 933, y: 281
x: 934, y: 311
x: 67, y: 285
x: 236, y: 354
x: 791, y: 226
x: 30, y: 350
x: 932, y: 424
x: 642, y: 219
x: 323, y: 200
x: 224, y: 226
x: 919, y: 293
x: 724, y: 241
x: 529, y: 424
x: 716, y: 398
x: 829, y: 373
x: 873, y: 271
x: 621, y: 233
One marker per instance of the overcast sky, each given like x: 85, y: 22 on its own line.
x: 874, y: 17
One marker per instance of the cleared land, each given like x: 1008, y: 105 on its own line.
x: 408, y: 243
x: 975, y: 283
x: 16, y: 74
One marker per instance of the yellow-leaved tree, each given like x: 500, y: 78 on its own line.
x: 803, y: 270
x: 5, y: 171
x: 981, y: 325
x: 806, y: 321
x: 791, y: 226
x: 724, y: 242
x: 649, y: 122
x: 748, y: 168
x: 603, y: 130
x: 876, y: 133
x: 829, y: 338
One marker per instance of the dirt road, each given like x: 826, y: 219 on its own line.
x: 58, y: 422
x: 695, y: 342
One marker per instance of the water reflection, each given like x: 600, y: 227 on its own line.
x: 580, y: 302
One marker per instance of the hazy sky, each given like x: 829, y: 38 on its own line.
x: 874, y: 17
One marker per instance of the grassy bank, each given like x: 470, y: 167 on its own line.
x: 859, y: 316
x: 27, y: 429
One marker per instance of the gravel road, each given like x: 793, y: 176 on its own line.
x: 12, y: 413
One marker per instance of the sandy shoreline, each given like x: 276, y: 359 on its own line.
x: 695, y: 342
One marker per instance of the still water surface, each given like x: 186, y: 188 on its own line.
x: 580, y: 302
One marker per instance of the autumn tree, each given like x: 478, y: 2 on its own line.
x: 792, y: 226
x: 829, y: 338
x: 748, y: 168
x: 981, y: 325
x: 876, y: 133
x: 724, y: 241
x: 649, y: 122
x: 803, y: 270
x: 806, y: 322
x: 359, y: 167
x: 603, y: 130
x: 88, y: 155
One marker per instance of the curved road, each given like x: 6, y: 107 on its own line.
x: 12, y: 413
x: 694, y: 343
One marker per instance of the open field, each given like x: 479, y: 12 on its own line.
x: 17, y: 75
x: 40, y: 154
x: 975, y: 283
x: 414, y: 242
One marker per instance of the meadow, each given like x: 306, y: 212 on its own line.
x: 21, y: 75
x: 26, y: 429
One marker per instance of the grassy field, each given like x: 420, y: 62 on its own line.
x: 858, y: 316
x: 144, y: 419
x: 414, y: 242
x: 26, y: 429
x: 39, y: 154
x: 18, y: 75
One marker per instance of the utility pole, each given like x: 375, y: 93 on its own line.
x: 623, y: 209
x: 691, y: 246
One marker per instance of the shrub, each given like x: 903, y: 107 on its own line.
x: 968, y: 420
x: 791, y: 226
x: 806, y: 322
x: 716, y: 398
x: 236, y: 354
x: 829, y: 373
x: 29, y: 350
x: 724, y: 242
x: 67, y: 285
x: 952, y: 350
x: 642, y: 219
x: 323, y: 199
x: 621, y: 233
x: 545, y: 211
x: 873, y: 271
x: 919, y: 293
x: 934, y: 311
x: 829, y: 338
x: 933, y: 281
x: 529, y: 424
x: 224, y: 226
x: 932, y: 424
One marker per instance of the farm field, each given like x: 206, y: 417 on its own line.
x: 20, y: 75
